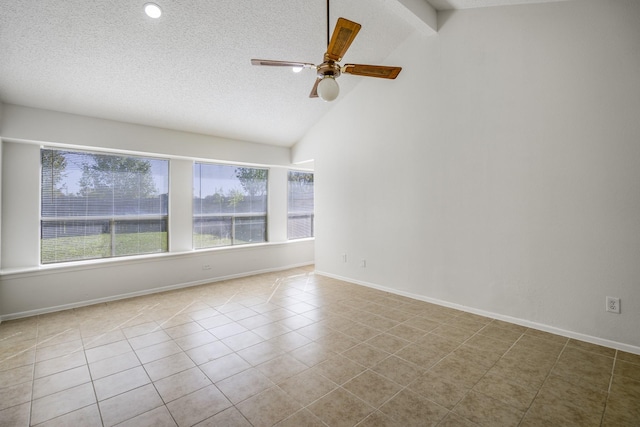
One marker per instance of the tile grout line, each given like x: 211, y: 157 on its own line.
x: 566, y: 344
x: 483, y: 375
x: 35, y: 361
x: 340, y: 386
x: 606, y: 402
x: 93, y: 386
x: 406, y: 387
x: 96, y: 338
x: 233, y: 405
x: 33, y: 372
x: 613, y: 369
x: 34, y: 379
x: 159, y: 326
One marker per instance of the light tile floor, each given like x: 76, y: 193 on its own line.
x: 296, y: 349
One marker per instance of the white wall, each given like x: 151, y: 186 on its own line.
x: 1, y: 121
x: 39, y: 291
x: 20, y: 214
x: 499, y: 172
x: 26, y: 288
x: 49, y: 126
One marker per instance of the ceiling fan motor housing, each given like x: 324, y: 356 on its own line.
x: 328, y: 68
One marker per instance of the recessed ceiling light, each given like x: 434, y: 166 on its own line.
x: 152, y: 10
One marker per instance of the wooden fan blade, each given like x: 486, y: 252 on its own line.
x: 272, y: 63
x: 380, y: 71
x: 343, y: 35
x: 314, y: 91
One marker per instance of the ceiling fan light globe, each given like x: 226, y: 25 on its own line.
x: 328, y: 89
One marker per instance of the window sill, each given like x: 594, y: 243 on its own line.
x: 136, y: 259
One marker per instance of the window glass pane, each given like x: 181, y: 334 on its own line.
x: 229, y: 205
x: 140, y: 236
x: 101, y: 205
x: 301, y: 217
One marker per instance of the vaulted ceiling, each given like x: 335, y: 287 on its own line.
x: 190, y: 69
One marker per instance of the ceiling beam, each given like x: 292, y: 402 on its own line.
x: 418, y: 13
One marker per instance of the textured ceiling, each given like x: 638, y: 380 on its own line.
x: 190, y: 69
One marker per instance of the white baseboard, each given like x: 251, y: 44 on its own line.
x: 522, y: 322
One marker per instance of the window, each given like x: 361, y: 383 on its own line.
x: 229, y: 205
x: 300, y: 222
x: 101, y: 205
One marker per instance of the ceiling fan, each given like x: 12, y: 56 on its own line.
x: 326, y: 86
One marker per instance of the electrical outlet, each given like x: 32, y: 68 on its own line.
x: 613, y: 305
x: 363, y: 263
x: 344, y: 257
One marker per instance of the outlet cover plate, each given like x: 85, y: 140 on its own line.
x: 613, y: 305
